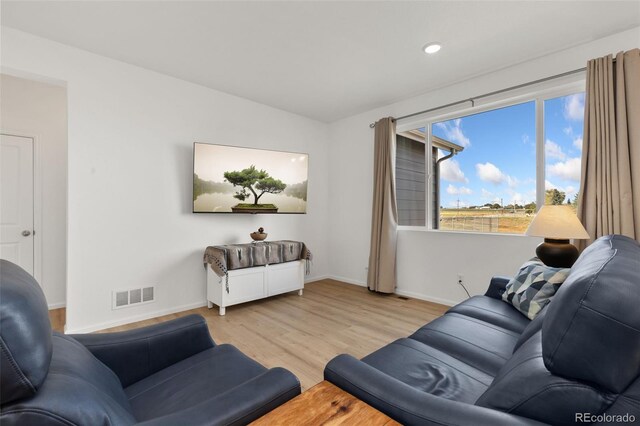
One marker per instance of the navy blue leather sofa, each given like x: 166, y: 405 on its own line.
x: 167, y: 374
x: 484, y: 363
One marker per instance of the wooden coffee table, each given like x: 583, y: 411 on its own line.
x: 325, y: 404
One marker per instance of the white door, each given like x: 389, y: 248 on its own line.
x: 16, y: 201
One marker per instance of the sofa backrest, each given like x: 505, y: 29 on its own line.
x: 591, y: 331
x: 25, y: 331
x: 49, y: 378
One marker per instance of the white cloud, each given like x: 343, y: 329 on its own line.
x: 525, y: 139
x: 577, y: 139
x: 453, y: 132
x: 548, y: 185
x: 574, y: 107
x: 567, y: 170
x: 486, y: 194
x: 451, y: 172
x: 488, y: 172
x: 458, y: 191
x: 517, y: 198
x: 452, y: 189
x: 553, y: 150
x: 512, y: 182
x: 577, y: 143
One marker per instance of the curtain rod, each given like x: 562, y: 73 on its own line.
x: 496, y: 92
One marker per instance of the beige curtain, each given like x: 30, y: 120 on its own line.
x: 609, y: 201
x: 384, y: 221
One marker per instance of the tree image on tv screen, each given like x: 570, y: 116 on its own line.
x: 254, y: 182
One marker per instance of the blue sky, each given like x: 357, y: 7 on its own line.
x: 498, y: 161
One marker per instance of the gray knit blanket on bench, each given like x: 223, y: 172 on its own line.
x: 238, y: 256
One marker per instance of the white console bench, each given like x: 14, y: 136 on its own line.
x: 254, y: 283
x: 244, y: 272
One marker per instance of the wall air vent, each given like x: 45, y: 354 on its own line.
x: 147, y: 294
x: 132, y: 297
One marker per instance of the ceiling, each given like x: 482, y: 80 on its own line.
x: 324, y: 59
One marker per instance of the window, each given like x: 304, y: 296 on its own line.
x: 564, y: 121
x: 488, y: 171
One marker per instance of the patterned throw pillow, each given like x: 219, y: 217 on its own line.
x: 533, y: 287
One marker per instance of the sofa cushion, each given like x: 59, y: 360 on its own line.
x: 592, y: 329
x: 79, y: 390
x: 430, y: 370
x: 25, y: 331
x: 525, y: 387
x: 483, y: 345
x: 493, y: 311
x: 532, y: 288
x: 191, y: 381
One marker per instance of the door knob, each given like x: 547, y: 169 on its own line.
x: 26, y: 233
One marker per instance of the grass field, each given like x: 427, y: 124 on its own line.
x: 491, y: 220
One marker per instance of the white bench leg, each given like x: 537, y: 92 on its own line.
x: 209, y: 305
x: 300, y: 292
x: 222, y: 311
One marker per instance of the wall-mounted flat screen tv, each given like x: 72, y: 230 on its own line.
x: 229, y: 179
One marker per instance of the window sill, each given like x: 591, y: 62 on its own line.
x: 449, y: 232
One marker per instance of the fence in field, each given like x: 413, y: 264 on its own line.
x: 470, y: 223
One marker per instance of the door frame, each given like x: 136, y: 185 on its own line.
x: 37, y: 198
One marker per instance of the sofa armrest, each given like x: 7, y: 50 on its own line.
x: 240, y: 405
x: 136, y: 354
x: 497, y: 286
x: 406, y: 404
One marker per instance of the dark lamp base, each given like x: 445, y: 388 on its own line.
x: 557, y: 253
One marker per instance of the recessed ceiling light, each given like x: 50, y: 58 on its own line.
x: 431, y: 48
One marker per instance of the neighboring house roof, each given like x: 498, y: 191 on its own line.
x: 436, y: 142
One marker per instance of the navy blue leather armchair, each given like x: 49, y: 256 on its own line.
x: 166, y: 374
x: 484, y: 363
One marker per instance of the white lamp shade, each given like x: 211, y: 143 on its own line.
x: 558, y: 223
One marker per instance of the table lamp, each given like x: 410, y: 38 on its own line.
x: 557, y: 224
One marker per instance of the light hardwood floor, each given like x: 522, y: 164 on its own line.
x: 302, y: 333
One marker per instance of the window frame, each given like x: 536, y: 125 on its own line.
x: 538, y: 93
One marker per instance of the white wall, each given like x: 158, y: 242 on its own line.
x: 130, y: 174
x: 428, y: 262
x: 39, y: 110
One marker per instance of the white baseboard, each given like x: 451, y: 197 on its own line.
x: 336, y: 278
x: 308, y: 280
x: 411, y: 294
x: 134, y: 318
x: 419, y: 296
x: 181, y: 308
x: 57, y: 305
x: 347, y: 280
